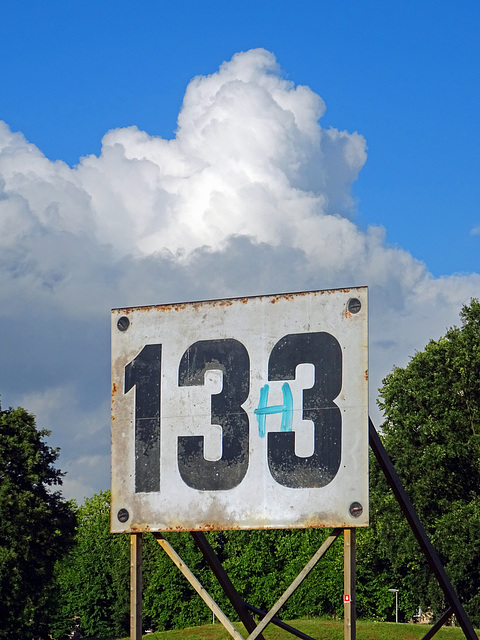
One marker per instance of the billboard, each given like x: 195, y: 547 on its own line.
x: 241, y: 413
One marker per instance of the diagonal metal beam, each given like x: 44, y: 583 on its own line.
x: 438, y: 625
x: 280, y: 623
x: 224, y: 581
x: 421, y: 535
x: 209, y: 601
x: 295, y: 584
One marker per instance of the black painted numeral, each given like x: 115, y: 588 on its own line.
x: 143, y: 373
x: 231, y: 357
x: 323, y: 351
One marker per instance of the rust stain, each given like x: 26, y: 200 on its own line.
x: 177, y: 307
x: 366, y: 374
x: 114, y: 391
x: 204, y: 527
x: 316, y: 522
x: 291, y: 296
x: 330, y: 291
x: 285, y: 296
x: 139, y: 528
x: 273, y: 298
x: 313, y: 523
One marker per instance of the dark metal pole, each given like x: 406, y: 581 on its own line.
x: 438, y: 625
x: 419, y: 532
x: 224, y: 580
x: 279, y: 623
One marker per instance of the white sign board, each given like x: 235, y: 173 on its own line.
x: 241, y: 413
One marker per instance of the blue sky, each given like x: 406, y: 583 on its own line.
x: 404, y: 75
x: 235, y: 183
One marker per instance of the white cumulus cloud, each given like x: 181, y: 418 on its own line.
x: 251, y: 196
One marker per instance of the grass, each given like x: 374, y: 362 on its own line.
x: 318, y: 629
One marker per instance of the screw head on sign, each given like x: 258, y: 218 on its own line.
x: 123, y: 323
x: 354, y: 305
x: 123, y: 515
x: 356, y: 509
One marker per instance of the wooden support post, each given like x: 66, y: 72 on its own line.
x: 136, y: 586
x: 349, y: 597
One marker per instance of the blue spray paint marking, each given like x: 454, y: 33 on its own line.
x: 286, y: 409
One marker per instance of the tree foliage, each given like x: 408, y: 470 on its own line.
x: 432, y: 434
x: 92, y: 581
x: 36, y: 524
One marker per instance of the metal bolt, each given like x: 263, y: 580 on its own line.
x: 354, y: 305
x: 356, y: 509
x: 123, y: 323
x: 123, y: 515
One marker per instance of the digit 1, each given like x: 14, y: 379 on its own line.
x: 323, y: 351
x: 143, y: 373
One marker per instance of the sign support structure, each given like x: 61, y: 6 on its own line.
x: 243, y: 608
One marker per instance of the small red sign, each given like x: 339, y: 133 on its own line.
x: 346, y: 598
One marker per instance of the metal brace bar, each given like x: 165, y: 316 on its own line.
x: 213, y: 606
x: 439, y: 624
x: 419, y: 531
x: 232, y: 594
x: 295, y: 584
x: 280, y: 623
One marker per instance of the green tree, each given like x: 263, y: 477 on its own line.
x: 92, y: 581
x: 36, y: 524
x: 263, y: 563
x: 170, y: 602
x: 432, y: 434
